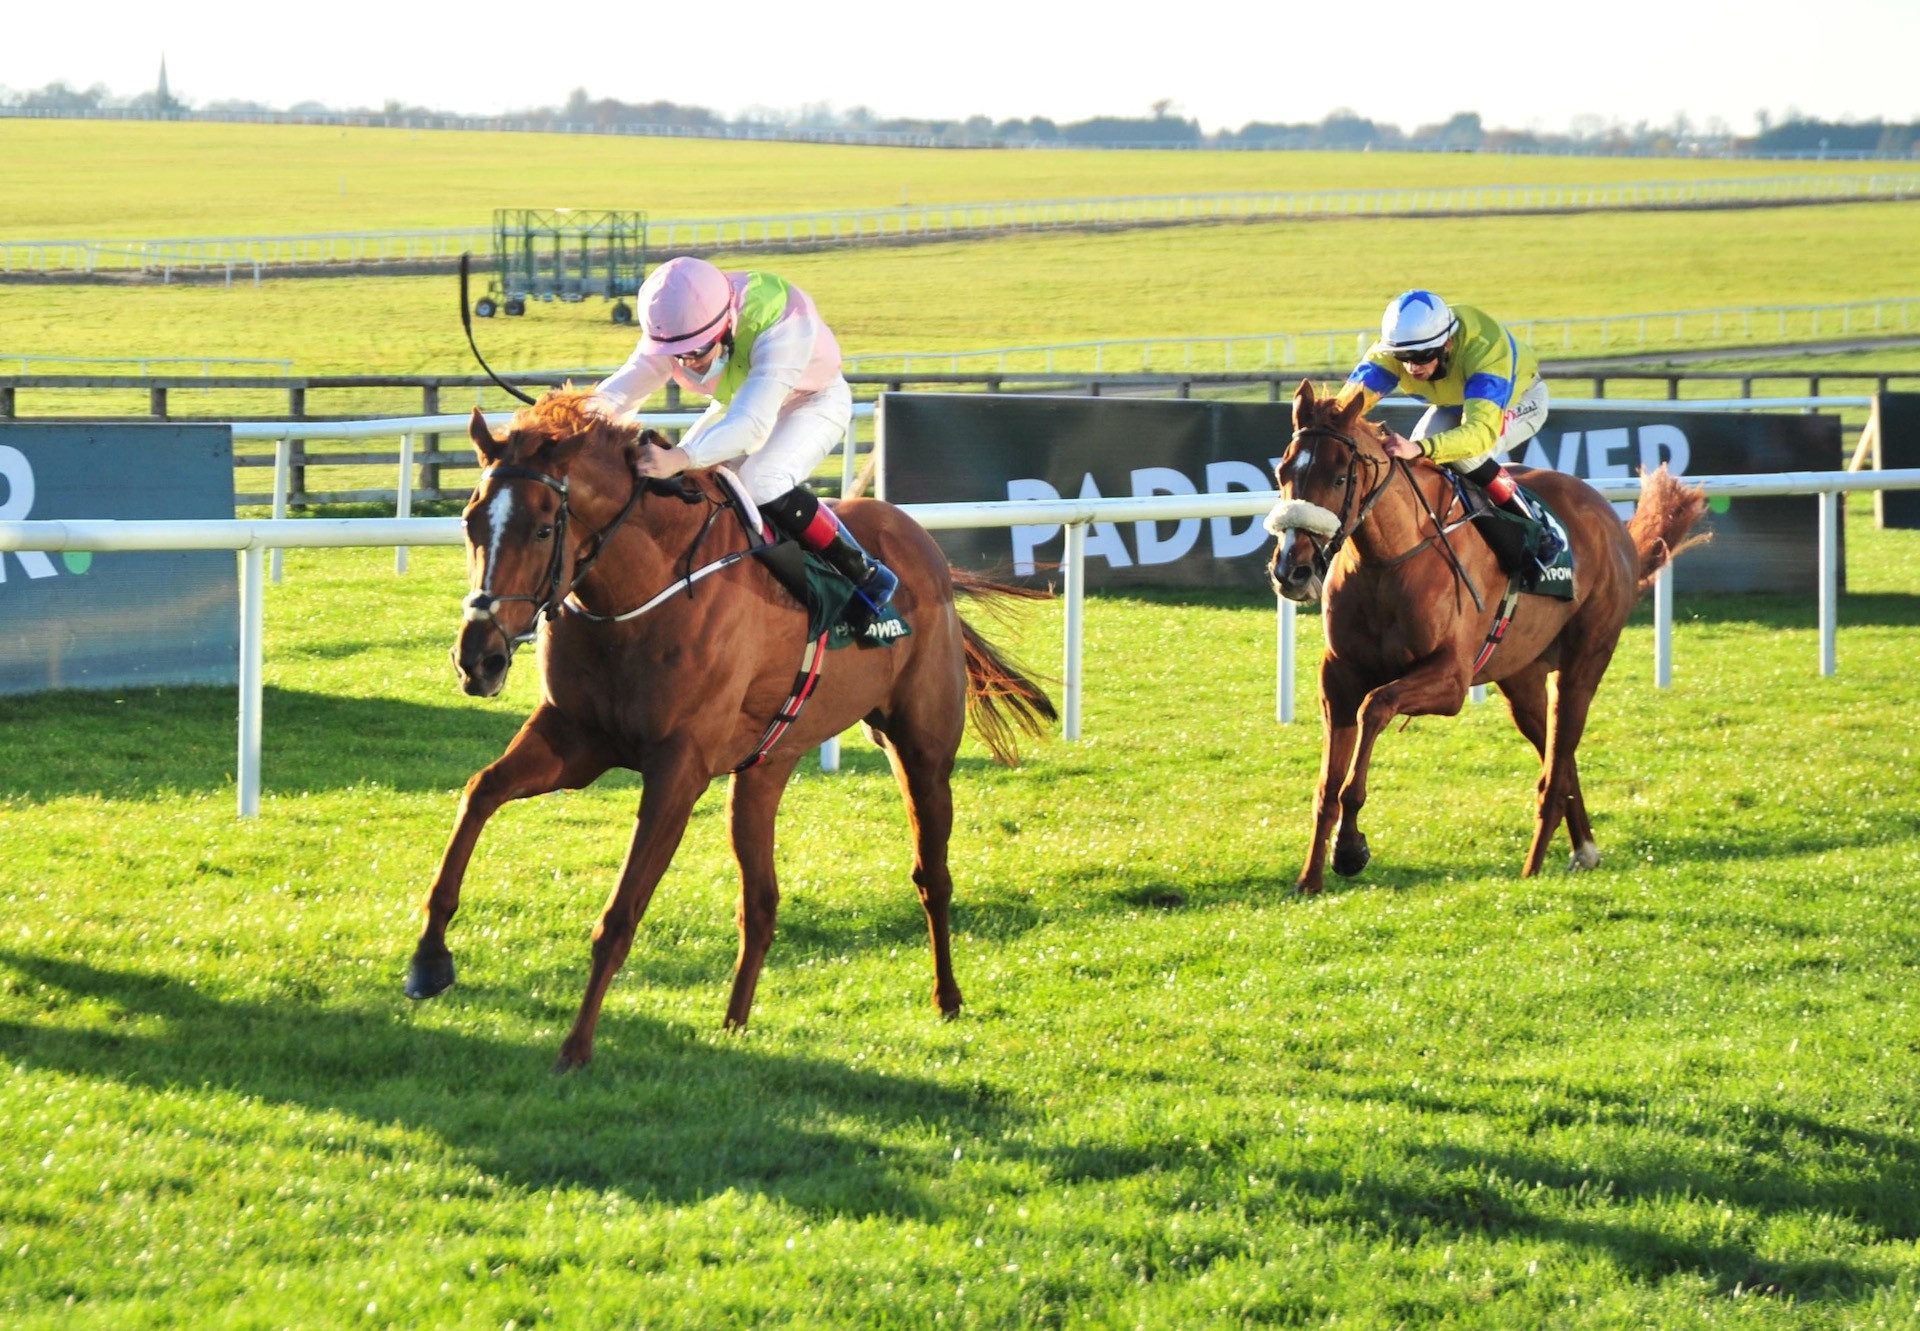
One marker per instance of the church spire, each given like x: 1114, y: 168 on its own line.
x: 162, y: 99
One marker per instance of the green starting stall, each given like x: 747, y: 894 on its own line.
x: 565, y: 254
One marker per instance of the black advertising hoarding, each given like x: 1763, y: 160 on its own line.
x: 953, y: 448
x: 1898, y: 416
x: 78, y: 620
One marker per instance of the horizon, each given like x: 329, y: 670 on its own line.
x: 1653, y: 65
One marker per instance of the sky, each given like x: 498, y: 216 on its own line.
x: 1544, y: 65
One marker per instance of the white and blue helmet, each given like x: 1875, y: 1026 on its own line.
x: 1416, y: 321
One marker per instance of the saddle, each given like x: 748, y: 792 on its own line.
x: 1536, y: 555
x: 809, y: 579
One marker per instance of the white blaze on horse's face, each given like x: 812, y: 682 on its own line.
x: 498, y: 513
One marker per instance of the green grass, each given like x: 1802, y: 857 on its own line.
x: 1188, y: 281
x: 1675, y: 1092
x: 224, y: 180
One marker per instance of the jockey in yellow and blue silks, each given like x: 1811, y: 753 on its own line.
x: 1483, y: 382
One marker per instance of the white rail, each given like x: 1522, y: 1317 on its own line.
x: 253, y: 538
x: 255, y: 255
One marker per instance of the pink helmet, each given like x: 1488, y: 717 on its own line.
x: 684, y: 304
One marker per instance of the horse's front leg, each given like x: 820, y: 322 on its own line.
x: 1338, y: 706
x: 549, y: 753
x: 1436, y: 686
x: 672, y: 784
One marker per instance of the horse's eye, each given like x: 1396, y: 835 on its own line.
x: 544, y: 533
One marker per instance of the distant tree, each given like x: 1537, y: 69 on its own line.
x: 60, y: 97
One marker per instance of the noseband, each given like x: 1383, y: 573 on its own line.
x: 481, y: 605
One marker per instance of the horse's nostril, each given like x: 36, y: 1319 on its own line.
x: 494, y: 663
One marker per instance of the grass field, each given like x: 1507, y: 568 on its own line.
x: 1189, y: 281
x: 236, y: 180
x: 1675, y: 1092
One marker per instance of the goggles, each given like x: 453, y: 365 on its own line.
x: 1426, y: 357
x: 688, y: 357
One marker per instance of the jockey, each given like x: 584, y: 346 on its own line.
x: 756, y: 345
x: 1485, y: 387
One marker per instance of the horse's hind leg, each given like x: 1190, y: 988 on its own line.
x: 1526, y: 695
x: 549, y: 753
x: 924, y: 768
x: 1572, y: 696
x: 752, y: 805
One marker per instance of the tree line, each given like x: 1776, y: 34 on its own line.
x: 1788, y: 134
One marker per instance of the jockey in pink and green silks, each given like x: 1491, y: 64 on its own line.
x: 757, y: 346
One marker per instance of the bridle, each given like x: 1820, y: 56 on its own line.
x: 480, y: 606
x: 559, y: 595
x: 1325, y: 552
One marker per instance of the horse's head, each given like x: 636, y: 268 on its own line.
x: 1324, y: 478
x: 524, y: 540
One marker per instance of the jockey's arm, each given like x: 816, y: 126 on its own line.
x: 779, y: 359
x: 631, y: 384
x: 1369, y: 382
x: 1477, y: 434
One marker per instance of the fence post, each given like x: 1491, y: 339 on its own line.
x: 282, y: 448
x: 1075, y: 629
x: 1663, y: 628
x: 403, y: 497
x: 430, y: 454
x: 252, y: 654
x: 1284, y: 665
x: 1829, y: 578
x: 297, y: 458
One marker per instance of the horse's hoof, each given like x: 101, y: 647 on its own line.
x: 1306, y: 889
x: 1350, y: 858
x: 570, y: 1062
x: 430, y: 975
x: 1587, y: 856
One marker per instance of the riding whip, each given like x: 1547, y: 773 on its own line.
x: 466, y: 322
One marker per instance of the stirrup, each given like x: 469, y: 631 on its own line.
x: 878, y: 587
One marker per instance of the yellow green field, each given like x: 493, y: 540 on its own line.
x: 137, y: 180
x: 1200, y: 280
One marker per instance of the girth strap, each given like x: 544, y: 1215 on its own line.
x: 1501, y: 619
x: 803, y: 685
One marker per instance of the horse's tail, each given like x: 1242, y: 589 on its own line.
x: 1662, y: 525
x: 1000, y: 696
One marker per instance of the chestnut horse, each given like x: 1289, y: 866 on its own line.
x: 649, y: 665
x: 1410, y: 605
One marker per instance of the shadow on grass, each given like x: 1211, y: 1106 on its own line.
x: 660, y: 1113
x: 137, y: 744
x: 1781, y: 1164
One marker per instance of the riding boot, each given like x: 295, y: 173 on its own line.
x: 1545, y: 541
x: 802, y: 516
x: 1511, y: 542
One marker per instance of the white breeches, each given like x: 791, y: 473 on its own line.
x: 807, y: 430
x: 1523, y: 421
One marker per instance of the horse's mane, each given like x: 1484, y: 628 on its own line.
x: 563, y: 413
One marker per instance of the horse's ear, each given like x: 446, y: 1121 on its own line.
x: 483, y: 441
x: 1352, y: 411
x: 1302, y: 400
x: 558, y: 454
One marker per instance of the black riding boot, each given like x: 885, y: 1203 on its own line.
x: 1511, y: 541
x: 801, y: 515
